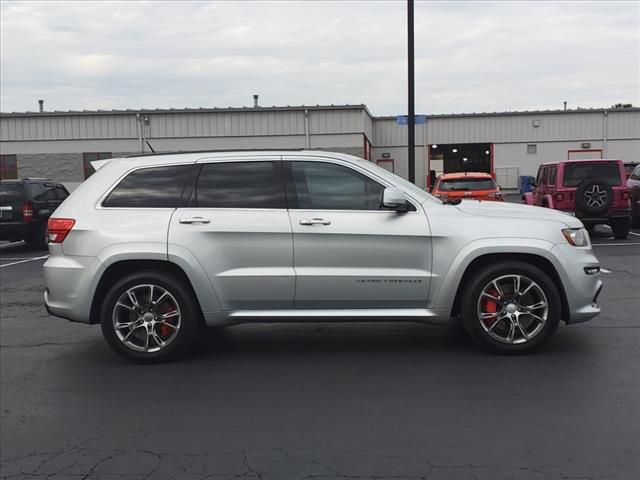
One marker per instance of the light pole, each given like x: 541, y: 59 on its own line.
x: 411, y: 120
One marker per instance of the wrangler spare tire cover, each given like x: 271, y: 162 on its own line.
x: 594, y: 197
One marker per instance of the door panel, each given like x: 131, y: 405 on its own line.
x: 238, y: 228
x: 348, y: 258
x: 247, y: 254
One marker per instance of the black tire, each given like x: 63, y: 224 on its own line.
x: 620, y: 227
x: 190, y: 317
x: 594, y: 197
x: 470, y: 302
x: 38, y: 239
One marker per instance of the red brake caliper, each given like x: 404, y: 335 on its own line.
x: 490, y: 306
x: 165, y: 330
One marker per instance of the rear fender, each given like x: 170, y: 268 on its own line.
x: 549, y: 202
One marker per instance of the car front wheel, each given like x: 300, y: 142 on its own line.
x: 150, y: 317
x: 510, y: 307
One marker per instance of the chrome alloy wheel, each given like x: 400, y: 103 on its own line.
x: 146, y: 318
x: 512, y: 309
x: 595, y: 196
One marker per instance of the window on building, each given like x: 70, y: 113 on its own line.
x: 532, y: 149
x: 326, y: 186
x: 155, y: 187
x: 240, y: 185
x: 8, y: 167
x: 89, y: 157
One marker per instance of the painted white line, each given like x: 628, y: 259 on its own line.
x: 10, y: 243
x: 633, y: 233
x: 604, y: 270
x: 31, y: 260
x: 2, y: 259
x: 613, y: 244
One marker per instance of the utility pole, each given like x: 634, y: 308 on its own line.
x: 411, y: 120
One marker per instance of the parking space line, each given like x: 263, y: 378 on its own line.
x: 24, y: 261
x: 633, y: 233
x: 10, y: 244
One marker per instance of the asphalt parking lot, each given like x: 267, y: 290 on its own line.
x: 321, y: 401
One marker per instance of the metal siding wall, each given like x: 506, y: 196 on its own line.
x: 622, y: 125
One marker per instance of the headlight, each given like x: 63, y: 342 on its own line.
x: 578, y: 237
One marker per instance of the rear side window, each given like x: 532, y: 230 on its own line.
x: 240, y: 185
x: 465, y: 184
x: 575, y: 173
x: 155, y: 187
x: 552, y: 176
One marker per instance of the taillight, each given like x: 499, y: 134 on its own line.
x: 559, y: 197
x: 27, y: 212
x: 496, y: 195
x: 59, y: 228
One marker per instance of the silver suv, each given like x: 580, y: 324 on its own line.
x: 155, y: 247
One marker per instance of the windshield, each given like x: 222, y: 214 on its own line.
x: 464, y: 184
x: 10, y: 193
x: 576, y: 173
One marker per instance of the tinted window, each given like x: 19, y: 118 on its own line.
x: 50, y: 192
x: 552, y: 176
x: 151, y: 188
x: 62, y: 193
x: 463, y: 184
x: 636, y: 173
x: 11, y: 192
x: 37, y: 191
x: 575, y: 173
x: 240, y: 185
x: 327, y: 186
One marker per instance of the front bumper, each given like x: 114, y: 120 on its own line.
x: 581, y: 288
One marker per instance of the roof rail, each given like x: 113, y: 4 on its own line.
x: 186, y: 152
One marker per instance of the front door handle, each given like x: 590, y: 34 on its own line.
x: 315, y: 221
x: 191, y: 220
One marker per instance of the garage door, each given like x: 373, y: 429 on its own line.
x: 508, y: 177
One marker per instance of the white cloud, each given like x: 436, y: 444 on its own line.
x: 470, y: 56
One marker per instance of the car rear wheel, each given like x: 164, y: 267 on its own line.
x: 635, y: 215
x: 620, y: 227
x: 510, y: 307
x: 150, y: 317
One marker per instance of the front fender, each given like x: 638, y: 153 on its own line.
x: 445, y: 287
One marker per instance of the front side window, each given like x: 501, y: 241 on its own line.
x: 155, y: 187
x: 240, y: 185
x: 326, y: 186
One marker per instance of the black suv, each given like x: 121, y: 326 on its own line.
x: 25, y: 208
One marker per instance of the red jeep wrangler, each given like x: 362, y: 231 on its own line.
x: 595, y: 191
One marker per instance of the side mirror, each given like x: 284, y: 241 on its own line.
x: 394, y: 199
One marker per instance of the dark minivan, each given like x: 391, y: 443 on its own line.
x: 25, y: 208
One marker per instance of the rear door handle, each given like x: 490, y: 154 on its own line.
x: 191, y: 220
x: 315, y: 221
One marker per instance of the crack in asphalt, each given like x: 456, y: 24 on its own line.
x: 282, y: 464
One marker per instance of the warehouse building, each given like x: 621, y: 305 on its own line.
x: 61, y: 145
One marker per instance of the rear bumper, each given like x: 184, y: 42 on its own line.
x: 14, y: 230
x: 581, y: 289
x: 71, y: 282
x: 622, y: 213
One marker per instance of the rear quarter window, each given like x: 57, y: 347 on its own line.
x: 153, y: 187
x: 576, y: 173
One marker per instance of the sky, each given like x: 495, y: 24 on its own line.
x: 470, y: 56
